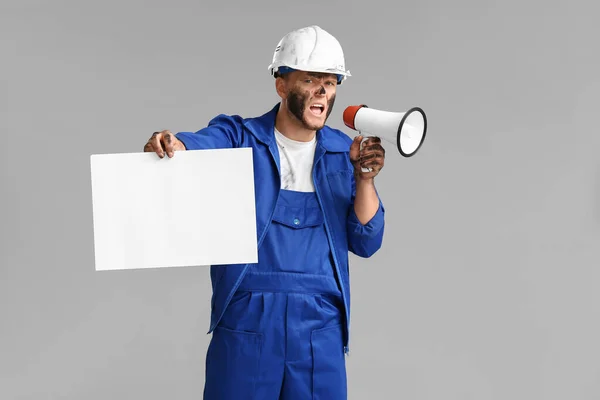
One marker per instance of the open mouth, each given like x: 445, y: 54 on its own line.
x: 317, y: 109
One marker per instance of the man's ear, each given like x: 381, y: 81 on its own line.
x: 281, y: 87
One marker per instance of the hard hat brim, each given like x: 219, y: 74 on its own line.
x: 342, y: 75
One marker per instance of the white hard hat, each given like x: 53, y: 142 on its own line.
x: 309, y: 49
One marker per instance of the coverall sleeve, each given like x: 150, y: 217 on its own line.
x: 364, y: 240
x: 222, y: 132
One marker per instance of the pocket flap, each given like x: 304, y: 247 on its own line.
x: 298, y: 217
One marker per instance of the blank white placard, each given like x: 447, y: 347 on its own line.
x: 195, y: 209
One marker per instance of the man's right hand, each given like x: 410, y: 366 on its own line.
x: 164, y: 142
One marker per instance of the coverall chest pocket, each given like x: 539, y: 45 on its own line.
x: 297, y: 240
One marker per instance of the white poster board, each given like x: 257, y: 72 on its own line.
x: 195, y: 209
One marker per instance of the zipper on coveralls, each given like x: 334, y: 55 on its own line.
x: 335, y: 261
x: 264, y: 232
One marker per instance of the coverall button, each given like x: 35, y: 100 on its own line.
x: 296, y: 221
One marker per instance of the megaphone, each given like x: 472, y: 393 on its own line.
x: 405, y: 130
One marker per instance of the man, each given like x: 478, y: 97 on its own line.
x: 280, y: 328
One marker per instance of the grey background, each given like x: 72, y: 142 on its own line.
x: 486, y: 286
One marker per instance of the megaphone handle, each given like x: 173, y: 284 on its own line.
x: 364, y: 139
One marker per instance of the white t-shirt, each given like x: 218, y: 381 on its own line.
x: 296, y: 160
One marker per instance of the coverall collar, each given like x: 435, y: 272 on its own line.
x: 263, y: 128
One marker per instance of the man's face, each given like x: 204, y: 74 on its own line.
x: 311, y: 97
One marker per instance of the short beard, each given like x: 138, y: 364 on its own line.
x: 297, y: 106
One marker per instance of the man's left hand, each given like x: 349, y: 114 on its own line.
x: 371, y: 156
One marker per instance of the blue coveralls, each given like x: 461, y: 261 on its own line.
x: 280, y: 327
x: 282, y: 332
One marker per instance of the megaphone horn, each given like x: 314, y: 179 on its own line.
x: 405, y: 130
